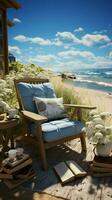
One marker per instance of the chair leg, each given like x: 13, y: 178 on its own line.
x: 43, y: 155
x: 42, y: 148
x: 12, y: 142
x: 83, y: 142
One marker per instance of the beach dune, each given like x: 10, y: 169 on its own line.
x: 103, y: 100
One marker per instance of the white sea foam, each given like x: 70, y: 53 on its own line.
x: 96, y: 82
x: 93, y: 73
x: 108, y: 73
x: 99, y: 73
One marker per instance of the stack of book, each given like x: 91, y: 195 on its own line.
x: 102, y: 166
x: 16, y: 172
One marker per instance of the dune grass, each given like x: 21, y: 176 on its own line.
x: 75, y: 95
x: 70, y: 96
x: 65, y: 91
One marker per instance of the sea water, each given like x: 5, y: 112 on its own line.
x: 97, y: 79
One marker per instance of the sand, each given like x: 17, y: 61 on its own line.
x: 103, y: 100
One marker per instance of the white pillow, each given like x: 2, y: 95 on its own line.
x: 52, y: 108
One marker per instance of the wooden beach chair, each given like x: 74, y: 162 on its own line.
x: 47, y: 133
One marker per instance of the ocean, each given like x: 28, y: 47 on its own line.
x: 97, y: 79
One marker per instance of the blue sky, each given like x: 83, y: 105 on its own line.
x: 62, y: 35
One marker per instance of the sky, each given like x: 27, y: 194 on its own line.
x: 62, y: 35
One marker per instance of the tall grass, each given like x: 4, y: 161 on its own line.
x: 70, y: 96
x: 65, y: 91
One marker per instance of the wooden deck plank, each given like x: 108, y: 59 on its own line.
x: 107, y: 189
x: 86, y: 188
x: 42, y: 196
x: 81, y: 188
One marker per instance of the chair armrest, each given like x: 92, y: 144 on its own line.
x: 78, y: 109
x: 80, y: 106
x: 33, y: 116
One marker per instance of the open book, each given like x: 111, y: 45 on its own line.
x: 69, y: 170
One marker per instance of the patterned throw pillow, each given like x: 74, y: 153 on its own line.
x: 52, y: 108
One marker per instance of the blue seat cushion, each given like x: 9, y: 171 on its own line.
x: 59, y: 129
x: 28, y: 91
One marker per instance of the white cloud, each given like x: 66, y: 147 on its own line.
x: 72, y: 53
x: 35, y: 40
x: 57, y: 42
x: 16, y: 20
x: 100, y: 32
x: 14, y: 49
x: 79, y: 29
x: 86, y: 40
x: 90, y: 60
x: 72, y: 65
x: 60, y: 62
x: 91, y: 39
x: 38, y: 40
x: 21, y: 38
x: 42, y: 58
x: 67, y: 37
x: 106, y: 45
x: 101, y: 61
x: 102, y: 64
x: 47, y: 60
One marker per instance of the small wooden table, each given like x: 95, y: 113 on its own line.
x: 7, y: 127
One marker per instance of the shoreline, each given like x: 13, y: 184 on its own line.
x: 75, y: 85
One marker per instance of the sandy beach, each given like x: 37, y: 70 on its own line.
x: 102, y: 100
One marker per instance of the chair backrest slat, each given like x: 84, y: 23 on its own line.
x: 27, y: 80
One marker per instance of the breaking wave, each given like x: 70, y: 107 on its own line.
x: 96, y: 82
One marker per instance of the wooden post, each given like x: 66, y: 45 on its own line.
x: 5, y: 41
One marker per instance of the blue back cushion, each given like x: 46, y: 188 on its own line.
x: 28, y: 91
x: 49, y: 90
